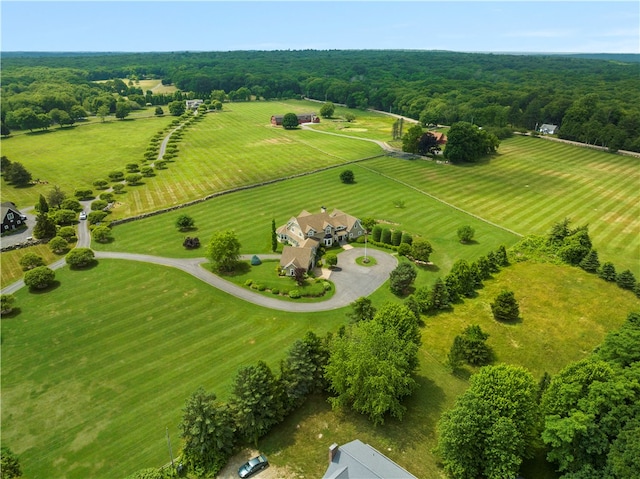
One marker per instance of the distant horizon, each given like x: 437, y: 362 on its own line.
x: 501, y: 27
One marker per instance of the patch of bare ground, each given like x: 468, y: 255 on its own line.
x: 230, y: 471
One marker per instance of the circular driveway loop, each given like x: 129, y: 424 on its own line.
x: 351, y: 280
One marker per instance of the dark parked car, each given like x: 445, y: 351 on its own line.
x: 252, y: 466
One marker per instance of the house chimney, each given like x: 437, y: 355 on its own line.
x: 333, y: 449
x: 323, y: 209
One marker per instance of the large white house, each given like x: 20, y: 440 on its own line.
x: 304, y: 233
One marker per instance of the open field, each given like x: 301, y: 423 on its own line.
x: 249, y: 214
x: 75, y: 157
x: 532, y: 184
x: 95, y: 369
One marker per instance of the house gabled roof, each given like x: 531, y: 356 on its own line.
x: 357, y: 460
x: 298, y: 257
x: 548, y: 128
x: 6, y: 207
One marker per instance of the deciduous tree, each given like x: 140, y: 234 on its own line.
x: 39, y: 278
x: 58, y: 245
x: 30, y: 261
x: 347, y: 177
x: 290, y: 121
x: 411, y: 139
x: 421, y: 250
x: 224, y: 251
x: 102, y: 234
x: 6, y: 303
x: 370, y: 369
x: 56, y: 196
x: 80, y: 257
x: 185, y: 222
x: 492, y: 426
x: 9, y: 464
x: 466, y: 233
x: 327, y: 109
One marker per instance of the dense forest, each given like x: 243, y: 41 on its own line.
x: 593, y: 100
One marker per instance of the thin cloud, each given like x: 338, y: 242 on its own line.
x: 564, y: 33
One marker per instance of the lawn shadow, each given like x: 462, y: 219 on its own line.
x: 431, y: 267
x: 87, y: 267
x: 52, y: 287
x: 471, y: 242
x: 14, y: 312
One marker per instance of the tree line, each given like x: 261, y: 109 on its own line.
x: 592, y: 100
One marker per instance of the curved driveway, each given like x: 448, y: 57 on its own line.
x: 351, y: 280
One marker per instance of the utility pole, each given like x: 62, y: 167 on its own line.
x: 170, y: 451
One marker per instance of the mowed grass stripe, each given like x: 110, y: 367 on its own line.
x: 126, y: 366
x: 563, y: 181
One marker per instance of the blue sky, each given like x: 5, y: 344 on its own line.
x: 507, y: 26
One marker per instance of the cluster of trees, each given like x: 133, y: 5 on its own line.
x: 573, y: 246
x: 587, y: 416
x: 259, y: 400
x: 593, y: 100
x: 14, y: 173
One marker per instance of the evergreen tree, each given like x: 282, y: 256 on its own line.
x: 361, y: 310
x: 274, y: 236
x: 44, y: 228
x: 590, y: 262
x: 256, y: 401
x: 501, y: 256
x: 626, y: 279
x: 439, y: 295
x: 208, y: 433
x: 505, y: 307
x: 42, y: 207
x: 608, y: 272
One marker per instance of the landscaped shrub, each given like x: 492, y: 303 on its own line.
x: 294, y: 294
x: 101, y: 184
x: 96, y: 217
x: 102, y: 234
x: 404, y: 249
x: 132, y: 167
x: 406, y: 238
x: 108, y: 197
x: 376, y: 233
x: 191, y: 243
x: 39, y: 278
x: 275, y: 291
x: 261, y: 287
x: 248, y: 282
x: 385, y: 237
x: 396, y: 237
x: 71, y: 204
x: 118, y: 188
x: 98, y: 205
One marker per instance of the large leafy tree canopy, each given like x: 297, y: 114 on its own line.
x: 492, y: 426
x: 370, y: 369
x: 224, y: 251
x: 422, y: 85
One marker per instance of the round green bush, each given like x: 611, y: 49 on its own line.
x: 261, y: 287
x: 275, y: 291
x: 294, y: 294
x: 248, y: 282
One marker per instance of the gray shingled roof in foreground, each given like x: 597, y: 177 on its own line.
x: 357, y: 460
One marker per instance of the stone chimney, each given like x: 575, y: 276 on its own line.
x: 333, y: 449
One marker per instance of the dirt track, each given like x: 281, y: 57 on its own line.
x: 271, y: 472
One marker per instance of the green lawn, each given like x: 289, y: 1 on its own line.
x: 533, y: 183
x: 75, y: 157
x: 95, y: 369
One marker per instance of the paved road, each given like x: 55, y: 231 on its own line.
x: 351, y: 280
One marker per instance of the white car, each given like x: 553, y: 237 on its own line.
x: 83, y: 216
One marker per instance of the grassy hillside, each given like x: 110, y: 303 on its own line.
x: 95, y: 369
